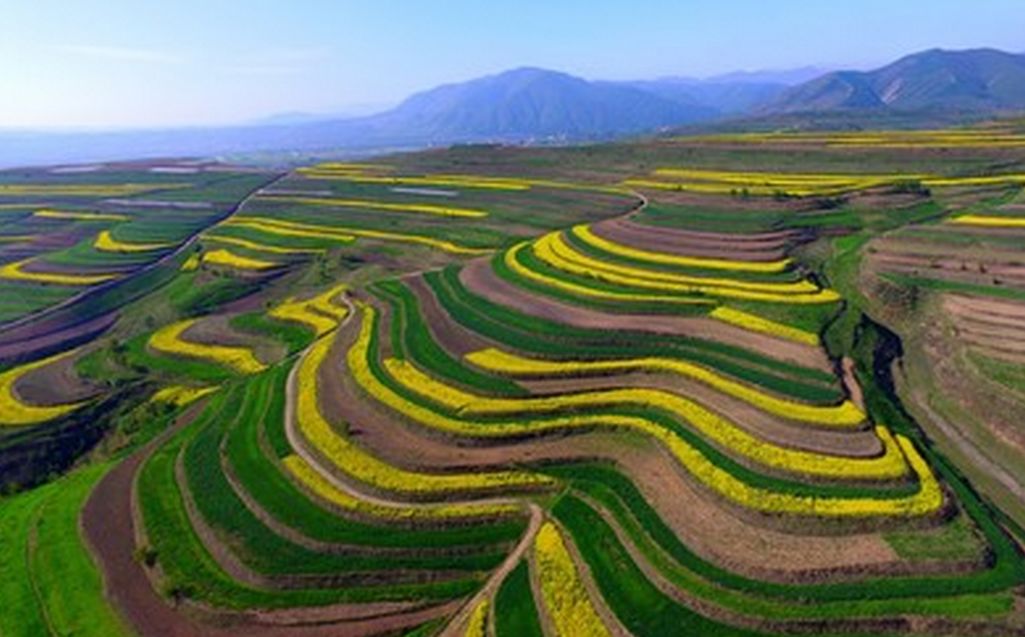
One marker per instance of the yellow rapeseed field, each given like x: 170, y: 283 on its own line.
x: 180, y: 395
x: 228, y: 258
x: 990, y: 221
x: 552, y: 250
x: 79, y: 215
x: 440, y: 244
x: 801, y: 184
x: 191, y: 264
x: 944, y: 138
x: 563, y: 250
x: 844, y: 415
x: 511, y: 261
x: 16, y: 413
x: 477, y: 625
x: 106, y: 242
x: 319, y: 312
x: 347, y: 234
x: 15, y: 271
x: 711, y: 426
x: 451, y: 181
x: 282, y: 228
x: 927, y: 500
x: 758, y: 324
x: 260, y: 247
x: 168, y: 340
x: 564, y: 595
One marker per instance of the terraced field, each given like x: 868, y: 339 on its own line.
x: 453, y: 393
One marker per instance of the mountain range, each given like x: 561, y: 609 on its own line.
x: 981, y: 80
x: 531, y: 105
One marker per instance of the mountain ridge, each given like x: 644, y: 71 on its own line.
x: 937, y: 79
x: 534, y: 105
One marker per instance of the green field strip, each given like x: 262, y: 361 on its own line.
x: 218, y: 188
x: 190, y: 571
x: 23, y: 613
x: 515, y: 609
x: 17, y: 299
x: 268, y: 553
x: 533, y: 334
x: 411, y: 337
x: 52, y: 584
x: 191, y: 295
x: 138, y: 356
x: 292, y: 335
x: 85, y: 254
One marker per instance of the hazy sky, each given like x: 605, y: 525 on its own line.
x: 125, y: 63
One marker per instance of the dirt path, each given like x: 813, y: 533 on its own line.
x: 457, y: 626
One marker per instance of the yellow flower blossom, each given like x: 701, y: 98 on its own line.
x: 106, y: 242
x: 320, y: 486
x: 260, y: 247
x: 989, y: 221
x: 552, y: 250
x: 563, y: 593
x: 228, y: 258
x: 844, y: 415
x: 758, y: 324
x: 511, y: 261
x: 180, y: 395
x: 168, y: 340
x: 17, y: 413
x: 15, y: 271
x: 477, y: 625
x: 79, y: 215
x: 427, y: 209
x: 319, y: 312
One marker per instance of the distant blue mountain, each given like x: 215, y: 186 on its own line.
x: 978, y: 80
x: 530, y: 105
